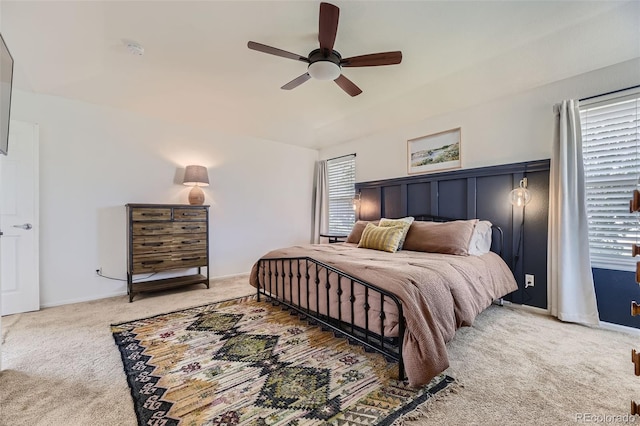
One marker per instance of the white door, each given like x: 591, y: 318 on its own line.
x: 19, y: 271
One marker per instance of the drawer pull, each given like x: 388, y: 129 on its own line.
x: 191, y: 258
x: 152, y: 214
x: 191, y: 242
x: 152, y: 244
x: 190, y: 214
x: 190, y: 227
x: 151, y: 262
x: 152, y: 228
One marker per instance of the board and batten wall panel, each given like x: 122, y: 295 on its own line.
x: 419, y: 199
x: 370, y: 204
x: 535, y: 238
x: 392, y: 205
x: 452, y: 198
x: 482, y: 193
x: 493, y: 203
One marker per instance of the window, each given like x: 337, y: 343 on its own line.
x: 610, y: 128
x: 342, y: 179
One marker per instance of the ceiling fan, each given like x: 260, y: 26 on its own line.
x: 326, y: 63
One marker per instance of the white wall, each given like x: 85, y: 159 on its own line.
x: 94, y: 160
x: 511, y: 129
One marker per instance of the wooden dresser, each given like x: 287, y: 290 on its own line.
x: 163, y: 237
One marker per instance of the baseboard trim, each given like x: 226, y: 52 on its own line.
x: 603, y: 324
x: 222, y: 277
x: 621, y: 328
x: 83, y: 299
x: 528, y: 308
x: 122, y: 293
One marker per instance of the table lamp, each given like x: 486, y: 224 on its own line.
x: 196, y: 176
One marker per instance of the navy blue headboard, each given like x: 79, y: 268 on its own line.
x: 477, y: 193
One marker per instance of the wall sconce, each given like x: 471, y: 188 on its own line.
x: 196, y: 176
x: 521, y: 196
x: 355, y: 201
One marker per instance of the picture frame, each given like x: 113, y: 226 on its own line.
x: 435, y: 152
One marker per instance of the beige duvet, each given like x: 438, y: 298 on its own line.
x: 439, y: 294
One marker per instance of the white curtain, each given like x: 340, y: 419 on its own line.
x: 320, y: 214
x: 573, y: 295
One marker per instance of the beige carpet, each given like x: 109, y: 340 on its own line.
x: 61, y: 366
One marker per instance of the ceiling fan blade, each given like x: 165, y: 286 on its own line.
x: 275, y: 51
x: 373, y: 60
x: 329, y: 15
x: 347, y: 85
x: 296, y: 81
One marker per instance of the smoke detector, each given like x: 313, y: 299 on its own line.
x: 134, y: 48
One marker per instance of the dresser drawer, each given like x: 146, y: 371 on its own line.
x: 151, y: 214
x: 146, y: 228
x: 189, y: 214
x: 189, y: 227
x: 153, y: 244
x: 151, y: 262
x: 156, y: 263
x: 190, y: 242
x: 189, y: 259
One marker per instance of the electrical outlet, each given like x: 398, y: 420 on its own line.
x: 99, y: 271
x: 529, y: 280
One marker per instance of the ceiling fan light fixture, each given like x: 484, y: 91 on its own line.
x: 325, y: 63
x: 324, y: 70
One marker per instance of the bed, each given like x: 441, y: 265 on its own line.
x: 406, y: 304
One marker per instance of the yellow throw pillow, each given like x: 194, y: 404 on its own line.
x: 385, y: 238
x: 405, y: 222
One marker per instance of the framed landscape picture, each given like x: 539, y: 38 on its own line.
x: 440, y: 151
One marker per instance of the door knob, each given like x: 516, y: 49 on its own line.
x: 25, y: 226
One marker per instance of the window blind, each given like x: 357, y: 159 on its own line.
x: 610, y: 129
x: 342, y: 178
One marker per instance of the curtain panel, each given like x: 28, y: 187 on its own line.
x: 572, y: 296
x: 320, y: 208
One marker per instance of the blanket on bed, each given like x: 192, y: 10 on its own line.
x: 439, y: 293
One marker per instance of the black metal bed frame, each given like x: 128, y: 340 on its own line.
x: 391, y: 348
x: 276, y: 274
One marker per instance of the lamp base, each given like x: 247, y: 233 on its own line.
x: 196, y: 196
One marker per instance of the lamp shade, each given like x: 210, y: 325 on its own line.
x: 521, y: 196
x: 196, y: 176
x: 355, y: 201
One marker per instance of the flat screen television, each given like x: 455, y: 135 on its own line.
x: 6, y: 84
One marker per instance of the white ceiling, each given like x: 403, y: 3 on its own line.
x: 197, y: 69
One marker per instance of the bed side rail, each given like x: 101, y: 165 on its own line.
x: 333, y: 298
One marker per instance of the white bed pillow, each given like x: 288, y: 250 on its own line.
x: 480, y: 242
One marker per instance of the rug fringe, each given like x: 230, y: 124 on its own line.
x: 422, y: 410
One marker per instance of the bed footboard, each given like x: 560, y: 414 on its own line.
x: 345, y: 304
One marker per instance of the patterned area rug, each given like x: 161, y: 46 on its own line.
x: 248, y: 362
